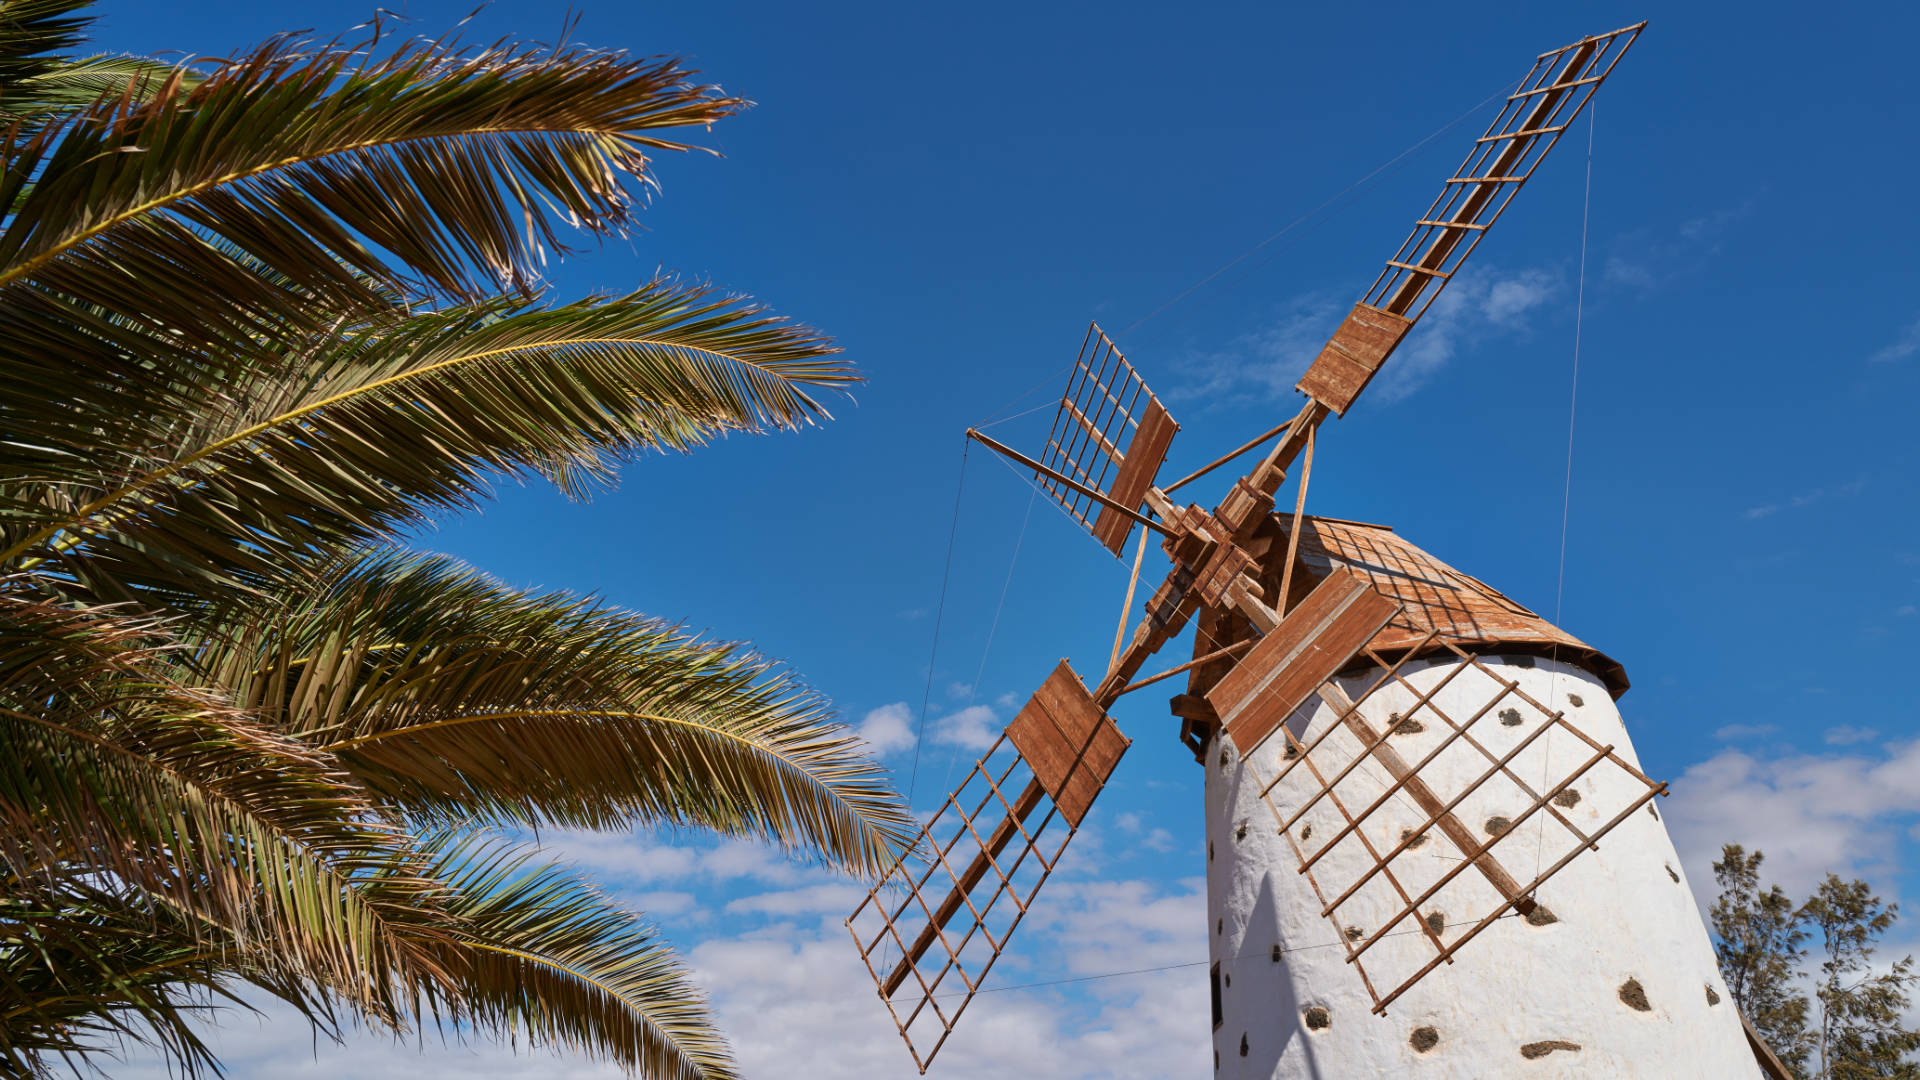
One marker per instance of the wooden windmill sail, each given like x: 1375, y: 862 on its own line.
x: 932, y: 928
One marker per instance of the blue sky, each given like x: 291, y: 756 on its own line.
x: 952, y: 192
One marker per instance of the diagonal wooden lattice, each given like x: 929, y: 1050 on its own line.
x: 1111, y: 434
x: 947, y: 907
x: 1383, y: 840
x: 1531, y: 121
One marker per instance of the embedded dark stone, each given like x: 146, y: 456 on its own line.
x: 1424, y: 1039
x: 1497, y: 825
x: 1655, y: 813
x: 1291, y: 752
x: 1306, y: 832
x: 1712, y: 998
x: 1634, y: 996
x: 1437, y: 922
x: 1276, y: 952
x: 1243, y: 1045
x: 1546, y: 1046
x: 1508, y: 718
x: 1406, y: 725
x: 1318, y: 1018
x: 1209, y: 851
x: 1415, y: 842
x: 1219, y: 926
x: 1541, y: 915
x: 1575, y: 700
x: 1671, y: 874
x: 1354, y: 933
x: 1569, y: 797
x: 1223, y: 758
x: 1240, y: 831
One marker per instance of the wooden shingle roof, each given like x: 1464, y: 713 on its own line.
x: 1466, y: 610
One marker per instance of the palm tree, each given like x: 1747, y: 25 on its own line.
x: 258, y: 316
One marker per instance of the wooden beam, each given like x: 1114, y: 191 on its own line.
x: 1456, y: 831
x: 1009, y: 827
x: 1008, y: 451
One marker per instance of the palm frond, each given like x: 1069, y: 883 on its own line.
x: 377, y: 430
x: 541, y: 953
x: 109, y: 769
x: 427, y: 168
x: 456, y: 698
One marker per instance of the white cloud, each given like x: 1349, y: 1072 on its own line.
x: 1810, y: 813
x: 972, y: 728
x: 1266, y: 363
x: 1847, y: 735
x: 888, y: 728
x: 1905, y: 609
x: 797, y: 1003
x: 826, y: 898
x: 1646, y: 259
x: 1807, y: 498
x: 1902, y: 347
x: 1744, y: 731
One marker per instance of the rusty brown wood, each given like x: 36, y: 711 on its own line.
x: 1008, y: 451
x: 1537, y: 881
x: 1070, y: 744
x: 1222, y: 460
x: 1762, y: 1053
x: 1514, y: 151
x: 1293, y: 537
x: 1143, y: 458
x: 1301, y: 653
x: 1441, y: 815
x: 1366, y: 842
x: 1023, y: 807
x: 1209, y: 658
x: 1126, y: 606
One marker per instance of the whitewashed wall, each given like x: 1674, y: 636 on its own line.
x: 1622, y: 913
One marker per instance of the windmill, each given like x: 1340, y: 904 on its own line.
x: 1399, y: 758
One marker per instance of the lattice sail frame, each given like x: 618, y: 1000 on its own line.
x: 1347, y: 818
x: 1111, y: 434
x: 1031, y: 789
x: 1550, y: 97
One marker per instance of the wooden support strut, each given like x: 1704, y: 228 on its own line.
x: 1456, y: 831
x: 1023, y: 807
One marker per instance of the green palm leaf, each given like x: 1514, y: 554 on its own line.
x: 543, y: 954
x: 456, y: 698
x: 375, y: 431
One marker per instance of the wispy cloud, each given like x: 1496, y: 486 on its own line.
x: 1805, y: 499
x: 887, y: 728
x: 1848, y: 735
x: 972, y: 728
x: 1811, y: 813
x: 1734, y: 732
x: 1902, y: 347
x: 1647, y: 258
x: 1264, y: 364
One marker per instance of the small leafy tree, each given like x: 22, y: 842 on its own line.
x: 1760, y: 938
x: 1863, y: 1035
x: 1759, y: 942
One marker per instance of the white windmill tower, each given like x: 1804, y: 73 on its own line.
x: 1401, y: 762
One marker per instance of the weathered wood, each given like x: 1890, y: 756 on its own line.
x: 1004, y: 450
x: 1143, y: 458
x: 1762, y: 1053
x: 1003, y: 834
x: 1303, y: 651
x: 1068, y: 742
x: 1354, y: 354
x: 1441, y: 817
